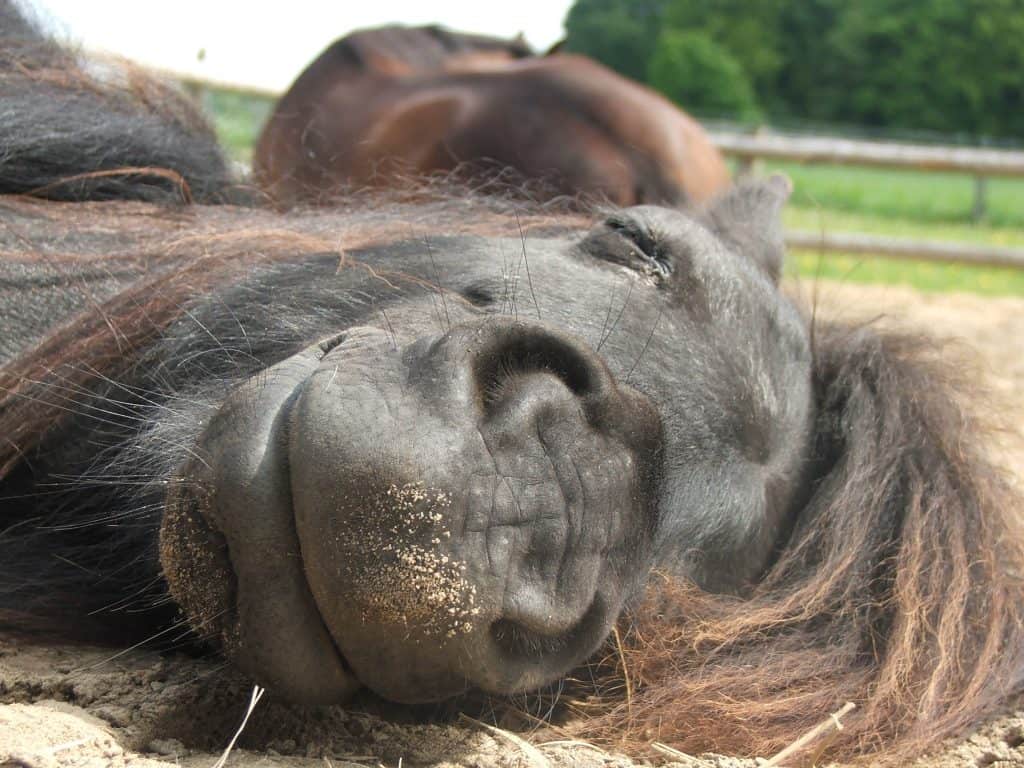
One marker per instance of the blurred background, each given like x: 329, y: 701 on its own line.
x: 926, y: 74
x: 264, y: 46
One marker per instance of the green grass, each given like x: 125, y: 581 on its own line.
x: 935, y: 206
x: 821, y: 218
x: 238, y: 119
x: 911, y: 204
x: 897, y: 194
x: 924, y: 276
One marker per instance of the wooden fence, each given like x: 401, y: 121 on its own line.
x: 977, y: 162
x: 835, y: 151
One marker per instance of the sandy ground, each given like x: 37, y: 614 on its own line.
x: 75, y: 706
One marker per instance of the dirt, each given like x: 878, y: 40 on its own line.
x: 83, y: 706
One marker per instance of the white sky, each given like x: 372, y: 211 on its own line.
x: 267, y: 44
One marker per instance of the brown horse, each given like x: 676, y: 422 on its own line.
x: 381, y: 104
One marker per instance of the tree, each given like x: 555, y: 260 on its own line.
x: 749, y: 30
x: 951, y: 66
x: 807, y: 59
x: 940, y: 65
x: 702, y: 76
x: 619, y: 33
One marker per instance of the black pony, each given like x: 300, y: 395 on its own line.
x: 436, y: 446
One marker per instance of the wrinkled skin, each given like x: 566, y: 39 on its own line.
x: 434, y: 494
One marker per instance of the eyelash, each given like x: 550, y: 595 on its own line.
x: 646, y: 246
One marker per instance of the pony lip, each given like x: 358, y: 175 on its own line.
x: 232, y: 514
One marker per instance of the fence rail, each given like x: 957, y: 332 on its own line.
x: 835, y: 151
x: 905, y: 248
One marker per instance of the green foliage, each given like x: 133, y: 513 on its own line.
x: 618, y: 33
x: 702, y: 76
x: 943, y: 65
x: 749, y: 30
x: 952, y: 66
x: 808, y: 63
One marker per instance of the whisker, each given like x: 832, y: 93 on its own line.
x: 390, y: 329
x: 437, y: 282
x: 646, y: 345
x: 529, y: 279
x: 618, y: 317
x: 165, y: 631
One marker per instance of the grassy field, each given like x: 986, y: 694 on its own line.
x: 926, y: 276
x: 928, y: 206
x: 826, y: 198
x: 933, y: 198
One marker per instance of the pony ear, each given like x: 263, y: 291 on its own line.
x: 747, y: 217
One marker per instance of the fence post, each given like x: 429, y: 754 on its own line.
x: 980, y: 194
x: 751, y: 165
x: 745, y: 167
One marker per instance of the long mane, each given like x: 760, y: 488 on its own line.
x: 900, y: 589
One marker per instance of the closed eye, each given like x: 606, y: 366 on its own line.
x: 644, y: 245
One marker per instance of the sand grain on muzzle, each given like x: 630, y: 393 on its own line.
x: 402, y: 574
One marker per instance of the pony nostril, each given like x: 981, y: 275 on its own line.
x: 522, y: 354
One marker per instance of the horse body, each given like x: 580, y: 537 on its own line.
x: 434, y: 446
x: 363, y: 115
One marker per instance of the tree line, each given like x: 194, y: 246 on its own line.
x: 950, y: 66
